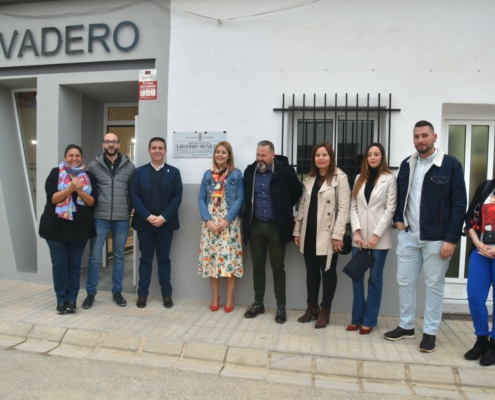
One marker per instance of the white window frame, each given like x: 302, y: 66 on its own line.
x: 456, y: 288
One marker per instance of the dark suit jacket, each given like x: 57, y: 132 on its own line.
x: 170, y: 199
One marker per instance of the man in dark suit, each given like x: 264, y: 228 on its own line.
x: 156, y: 194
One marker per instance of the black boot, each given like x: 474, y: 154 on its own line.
x: 478, y: 349
x: 489, y: 357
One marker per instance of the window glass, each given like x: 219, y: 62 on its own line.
x: 457, y: 149
x: 479, y: 157
x: 309, y: 134
x: 26, y: 108
x: 122, y: 113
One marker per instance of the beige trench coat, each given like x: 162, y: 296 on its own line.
x: 375, y: 217
x: 331, y: 218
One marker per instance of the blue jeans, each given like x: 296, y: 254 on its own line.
x: 481, y: 275
x: 66, y: 268
x: 411, y: 257
x: 120, y: 229
x: 365, y: 311
x: 150, y: 239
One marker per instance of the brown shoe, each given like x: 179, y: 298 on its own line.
x: 167, y: 302
x: 141, y: 301
x: 312, y: 311
x: 365, y: 331
x: 323, y: 319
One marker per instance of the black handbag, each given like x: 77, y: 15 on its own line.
x: 359, y: 264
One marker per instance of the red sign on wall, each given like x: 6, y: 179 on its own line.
x: 148, y: 84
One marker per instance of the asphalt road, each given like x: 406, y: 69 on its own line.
x: 26, y: 375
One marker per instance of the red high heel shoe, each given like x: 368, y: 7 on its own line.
x: 215, y: 308
x: 228, y: 309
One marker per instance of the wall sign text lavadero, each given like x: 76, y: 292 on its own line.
x: 75, y: 39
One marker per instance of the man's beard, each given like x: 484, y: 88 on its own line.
x: 262, y: 166
x: 424, y: 150
x: 110, y: 152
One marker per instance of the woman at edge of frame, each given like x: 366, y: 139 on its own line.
x: 320, y: 228
x: 373, y: 203
x: 481, y: 271
x: 220, y: 201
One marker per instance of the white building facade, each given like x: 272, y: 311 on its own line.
x: 291, y: 71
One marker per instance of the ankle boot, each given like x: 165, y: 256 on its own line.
x: 311, y: 312
x: 489, y: 357
x: 478, y: 349
x: 323, y: 318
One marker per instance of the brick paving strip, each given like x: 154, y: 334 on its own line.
x: 189, y: 337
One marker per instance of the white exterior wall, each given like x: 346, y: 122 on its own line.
x: 433, y: 56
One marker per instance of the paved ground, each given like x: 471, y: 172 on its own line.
x: 189, y: 337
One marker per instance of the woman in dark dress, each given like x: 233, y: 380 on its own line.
x: 67, y: 223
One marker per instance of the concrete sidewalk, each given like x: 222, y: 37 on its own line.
x: 190, y: 337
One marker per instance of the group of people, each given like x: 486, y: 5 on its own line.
x: 426, y: 203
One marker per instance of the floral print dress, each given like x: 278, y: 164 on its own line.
x: 220, y: 254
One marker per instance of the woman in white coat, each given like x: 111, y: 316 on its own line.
x: 373, y: 203
x: 320, y: 228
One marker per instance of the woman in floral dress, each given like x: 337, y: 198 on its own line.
x: 220, y: 199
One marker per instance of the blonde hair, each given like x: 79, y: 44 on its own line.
x: 228, y: 147
x: 365, y: 168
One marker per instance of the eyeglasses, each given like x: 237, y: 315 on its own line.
x: 109, y: 142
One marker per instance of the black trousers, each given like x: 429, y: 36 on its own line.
x: 315, y: 273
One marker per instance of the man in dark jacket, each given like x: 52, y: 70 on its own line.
x: 271, y: 191
x: 113, y: 172
x: 156, y: 194
x: 431, y: 202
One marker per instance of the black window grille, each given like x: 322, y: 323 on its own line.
x: 350, y: 128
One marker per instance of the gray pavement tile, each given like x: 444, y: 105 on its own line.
x: 111, y: 355
x: 81, y: 338
x: 243, y: 372
x: 383, y: 371
x: 14, y: 329
x: 476, y: 378
x: 399, y: 389
x: 205, y: 351
x: 290, y: 362
x: 480, y: 395
x: 164, y: 347
x: 337, y: 385
x: 289, y: 378
x: 247, y: 357
x: 154, y: 360
x: 437, y: 393
x: 121, y: 342
x: 328, y: 366
x: 161, y: 334
x: 198, y: 366
x: 42, y: 339
x: 431, y: 374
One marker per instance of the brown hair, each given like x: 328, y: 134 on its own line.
x: 365, y: 168
x: 331, y: 168
x: 230, y: 162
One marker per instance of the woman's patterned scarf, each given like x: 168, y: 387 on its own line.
x: 219, y: 177
x: 65, y: 208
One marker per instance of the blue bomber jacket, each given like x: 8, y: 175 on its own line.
x: 443, y: 198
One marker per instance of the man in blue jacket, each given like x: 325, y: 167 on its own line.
x: 156, y: 194
x: 431, y: 203
x: 271, y: 190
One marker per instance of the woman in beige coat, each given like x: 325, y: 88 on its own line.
x: 320, y: 228
x: 373, y: 202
